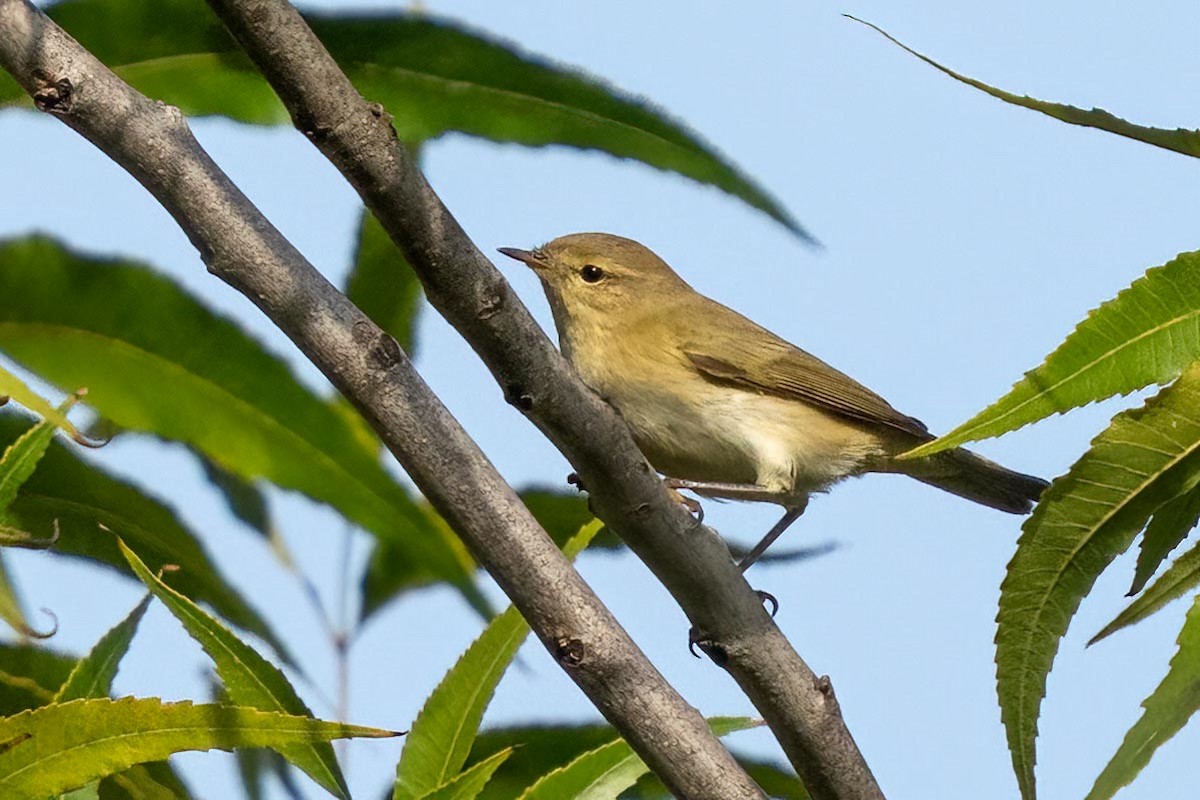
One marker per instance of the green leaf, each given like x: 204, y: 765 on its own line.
x: 433, y: 76
x: 20, y: 459
x: 93, y: 675
x: 441, y: 737
x: 14, y: 387
x: 1166, y: 530
x: 1146, y: 458
x: 89, y: 792
x: 63, y: 746
x: 250, y: 679
x: 608, y: 770
x: 1180, y: 140
x: 470, y: 782
x: 561, y: 514
x: 1167, y: 709
x: 10, y: 604
x: 383, y: 284
x: 1180, y: 577
x: 244, y: 498
x: 30, y: 676
x: 158, y: 361
x: 1145, y: 335
x: 153, y: 781
x: 79, y: 496
x: 539, y: 748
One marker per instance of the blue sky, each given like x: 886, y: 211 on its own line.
x: 963, y: 239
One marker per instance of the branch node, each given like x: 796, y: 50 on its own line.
x: 490, y: 304
x: 386, y: 352
x: 515, y: 395
x: 570, y: 652
x: 54, y: 97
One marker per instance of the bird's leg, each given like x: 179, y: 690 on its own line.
x: 726, y: 491
x: 791, y: 515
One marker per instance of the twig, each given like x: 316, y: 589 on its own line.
x: 153, y: 143
x: 690, y: 560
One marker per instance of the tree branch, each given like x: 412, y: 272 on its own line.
x: 153, y: 143
x: 466, y: 288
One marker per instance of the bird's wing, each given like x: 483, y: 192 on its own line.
x: 775, y: 366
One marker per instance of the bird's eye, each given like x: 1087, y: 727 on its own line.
x: 591, y: 273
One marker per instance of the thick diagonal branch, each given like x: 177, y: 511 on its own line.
x: 152, y: 141
x: 467, y: 289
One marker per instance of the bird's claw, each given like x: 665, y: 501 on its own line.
x: 767, y: 597
x: 691, y: 504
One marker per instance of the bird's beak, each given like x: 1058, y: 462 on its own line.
x: 529, y: 258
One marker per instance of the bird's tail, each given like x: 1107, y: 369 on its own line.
x: 968, y: 475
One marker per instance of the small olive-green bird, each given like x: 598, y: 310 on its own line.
x: 725, y: 408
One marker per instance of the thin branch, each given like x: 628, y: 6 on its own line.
x: 152, y: 142
x: 690, y: 560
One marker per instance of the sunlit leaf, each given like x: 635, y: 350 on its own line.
x: 156, y: 360
x: 93, y: 675
x: 610, y: 769
x: 470, y: 782
x: 1145, y: 335
x: 14, y: 387
x: 433, y: 76
x: 1166, y: 530
x: 78, y: 497
x: 61, y: 747
x: 1167, y: 710
x: 1180, y: 140
x: 441, y: 737
x: 1178, y: 580
x: 250, y: 679
x: 1086, y: 518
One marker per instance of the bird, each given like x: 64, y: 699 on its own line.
x: 721, y: 406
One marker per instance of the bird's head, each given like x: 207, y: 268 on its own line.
x: 589, y: 274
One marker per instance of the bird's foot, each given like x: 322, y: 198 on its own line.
x: 768, y: 598
x: 691, y: 504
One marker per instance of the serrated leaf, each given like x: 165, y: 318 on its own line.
x: 1145, y: 335
x: 14, y: 387
x: 1169, y: 526
x: 441, y: 737
x: 1086, y: 518
x: 79, y: 496
x: 470, y: 782
x: 608, y: 770
x: 250, y: 679
x: 60, y: 747
x: 433, y: 76
x: 1180, y: 577
x: 1167, y: 710
x: 383, y: 284
x: 1180, y: 140
x: 158, y: 361
x: 93, y: 674
x: 20, y: 459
